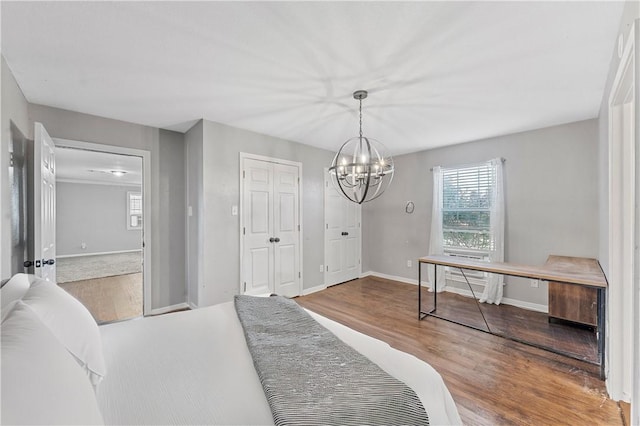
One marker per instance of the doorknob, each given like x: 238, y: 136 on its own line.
x: 277, y: 240
x: 28, y: 263
x: 345, y: 233
x: 48, y: 262
x: 271, y: 240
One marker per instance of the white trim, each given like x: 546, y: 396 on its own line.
x: 620, y: 327
x: 89, y: 182
x: 243, y: 156
x: 192, y: 305
x: 314, y: 289
x: 64, y: 256
x: 147, y: 230
x: 167, y: 309
x: 507, y: 301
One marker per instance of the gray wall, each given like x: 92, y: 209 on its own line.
x: 550, y: 194
x: 168, y: 270
x: 221, y: 189
x: 14, y: 109
x: 95, y: 215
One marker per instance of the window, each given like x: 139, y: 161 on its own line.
x: 134, y: 210
x: 466, y: 207
x: 466, y: 215
x: 468, y: 221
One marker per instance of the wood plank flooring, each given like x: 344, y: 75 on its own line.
x: 110, y: 298
x: 493, y: 380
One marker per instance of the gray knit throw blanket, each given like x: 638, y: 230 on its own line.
x: 311, y: 377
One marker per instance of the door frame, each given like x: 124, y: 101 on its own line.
x: 249, y: 156
x: 146, y: 197
x: 624, y: 307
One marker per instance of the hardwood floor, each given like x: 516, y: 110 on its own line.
x: 110, y: 298
x: 493, y: 380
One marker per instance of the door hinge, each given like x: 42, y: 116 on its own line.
x: 11, y: 159
x: 298, y: 227
x: 327, y: 268
x: 244, y: 231
x: 358, y: 261
x: 245, y: 287
x: 299, y: 274
x: 326, y: 184
x: 327, y: 226
x: 244, y: 174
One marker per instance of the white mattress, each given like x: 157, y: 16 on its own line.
x: 194, y: 367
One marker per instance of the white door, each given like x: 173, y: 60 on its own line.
x: 342, y: 236
x: 270, y: 228
x: 286, y: 227
x: 44, y: 204
x: 257, y: 218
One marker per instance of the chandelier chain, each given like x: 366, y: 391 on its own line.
x: 360, y: 119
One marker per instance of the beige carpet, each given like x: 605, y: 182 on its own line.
x: 79, y: 268
x: 109, y: 298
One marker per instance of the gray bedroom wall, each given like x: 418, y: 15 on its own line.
x: 221, y: 231
x: 95, y: 215
x: 161, y: 144
x: 14, y: 108
x: 630, y: 13
x: 551, y: 198
x: 193, y: 171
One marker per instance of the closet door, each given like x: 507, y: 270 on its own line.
x: 270, y: 227
x: 257, y: 212
x: 286, y: 229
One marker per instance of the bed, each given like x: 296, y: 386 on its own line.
x: 191, y: 367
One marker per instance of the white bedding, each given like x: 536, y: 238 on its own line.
x: 194, y: 367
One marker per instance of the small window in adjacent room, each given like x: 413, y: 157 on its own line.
x: 134, y: 210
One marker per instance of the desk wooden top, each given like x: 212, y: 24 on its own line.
x: 563, y: 269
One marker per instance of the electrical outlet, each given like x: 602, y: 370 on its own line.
x: 535, y: 283
x: 321, y: 268
x: 409, y: 263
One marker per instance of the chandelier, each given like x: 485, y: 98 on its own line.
x: 362, y: 169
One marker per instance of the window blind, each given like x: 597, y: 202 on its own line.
x: 466, y: 206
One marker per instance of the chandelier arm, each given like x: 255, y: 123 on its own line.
x: 366, y: 188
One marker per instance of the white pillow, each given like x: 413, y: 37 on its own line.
x: 41, y: 382
x: 71, y: 323
x: 13, y: 290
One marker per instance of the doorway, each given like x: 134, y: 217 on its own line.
x: 101, y: 222
x: 624, y: 236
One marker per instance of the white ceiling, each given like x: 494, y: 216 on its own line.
x: 79, y: 165
x: 438, y: 73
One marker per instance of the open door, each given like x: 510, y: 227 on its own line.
x: 44, y: 205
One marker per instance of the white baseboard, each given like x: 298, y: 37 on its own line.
x: 96, y: 254
x: 192, y: 305
x: 177, y: 306
x: 506, y: 300
x: 389, y: 277
x: 315, y: 289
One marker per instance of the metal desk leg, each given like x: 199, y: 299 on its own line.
x: 419, y: 290
x: 601, y: 329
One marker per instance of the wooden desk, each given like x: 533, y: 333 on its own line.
x: 559, y: 269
